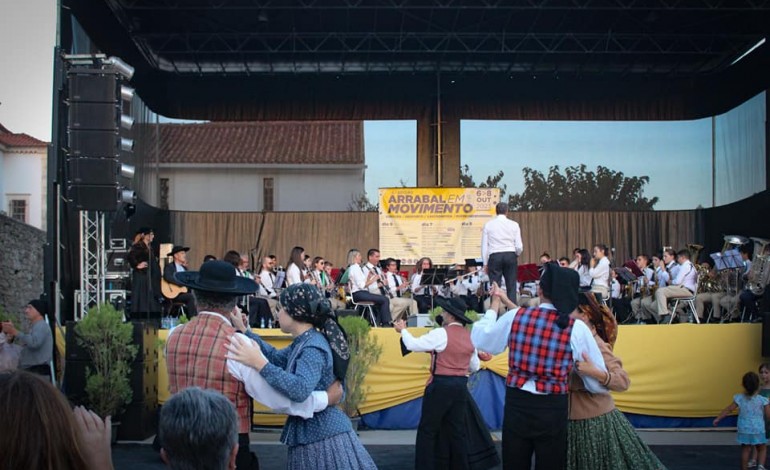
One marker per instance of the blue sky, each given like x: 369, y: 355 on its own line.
x: 664, y: 151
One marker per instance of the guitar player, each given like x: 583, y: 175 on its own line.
x: 171, y: 289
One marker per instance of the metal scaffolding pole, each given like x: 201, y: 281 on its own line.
x: 92, y: 262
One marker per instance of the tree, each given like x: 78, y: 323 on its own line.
x: 492, y: 181
x: 361, y: 203
x: 580, y: 189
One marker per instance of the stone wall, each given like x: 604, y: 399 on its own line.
x: 21, y: 264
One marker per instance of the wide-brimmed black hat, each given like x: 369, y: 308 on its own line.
x: 457, y: 308
x: 144, y: 230
x: 217, y: 277
x: 177, y: 249
x: 560, y: 286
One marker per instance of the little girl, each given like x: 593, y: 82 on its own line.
x: 754, y: 409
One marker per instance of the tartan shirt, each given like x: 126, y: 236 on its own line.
x: 540, y: 351
x: 195, y: 355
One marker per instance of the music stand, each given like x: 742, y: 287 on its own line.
x: 527, y: 273
x: 633, y: 267
x: 433, y: 277
x: 719, y: 261
x: 733, y: 259
x: 625, y: 275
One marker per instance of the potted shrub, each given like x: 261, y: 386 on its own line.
x: 108, y: 341
x: 365, y: 351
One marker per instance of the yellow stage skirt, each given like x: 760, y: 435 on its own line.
x: 685, y: 370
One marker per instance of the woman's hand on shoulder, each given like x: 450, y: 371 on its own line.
x: 245, y: 351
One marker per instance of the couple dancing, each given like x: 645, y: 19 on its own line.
x: 215, y: 350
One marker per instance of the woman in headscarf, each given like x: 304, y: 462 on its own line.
x: 599, y: 436
x: 317, y: 355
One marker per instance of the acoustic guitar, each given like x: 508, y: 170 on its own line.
x: 171, y: 291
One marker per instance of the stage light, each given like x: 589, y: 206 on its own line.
x: 127, y: 171
x: 127, y: 196
x: 748, y: 51
x: 121, y: 67
x: 127, y: 93
x: 127, y: 122
x: 126, y: 145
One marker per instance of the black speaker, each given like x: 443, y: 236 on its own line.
x: 94, y: 198
x: 93, y: 171
x: 138, y: 421
x: 93, y: 87
x: 88, y: 143
x: 766, y: 334
x: 94, y: 116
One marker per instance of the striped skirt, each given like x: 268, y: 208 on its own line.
x: 608, y: 442
x: 343, y: 452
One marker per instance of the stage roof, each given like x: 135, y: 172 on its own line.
x: 231, y: 59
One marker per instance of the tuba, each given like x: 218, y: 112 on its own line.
x: 694, y: 250
x: 759, y: 275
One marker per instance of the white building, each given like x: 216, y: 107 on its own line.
x: 23, y: 169
x: 256, y: 166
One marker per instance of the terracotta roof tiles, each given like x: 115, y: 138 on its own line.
x: 285, y: 142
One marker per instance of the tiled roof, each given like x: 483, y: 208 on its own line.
x: 286, y: 142
x: 9, y: 139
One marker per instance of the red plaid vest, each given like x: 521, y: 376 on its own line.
x: 539, y: 350
x: 195, y: 355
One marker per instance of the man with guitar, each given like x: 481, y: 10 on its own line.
x: 170, y: 287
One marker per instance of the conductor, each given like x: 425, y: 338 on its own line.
x: 501, y: 247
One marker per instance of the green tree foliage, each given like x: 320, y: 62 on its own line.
x: 108, y: 341
x: 580, y: 189
x: 365, y: 351
x: 492, y: 181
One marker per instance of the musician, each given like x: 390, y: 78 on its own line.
x: 501, y: 247
x: 747, y: 300
x: 423, y: 295
x: 325, y: 283
x: 296, y: 271
x: 583, y: 267
x: 576, y: 259
x: 683, y: 285
x: 267, y: 277
x: 471, y: 288
x: 179, y: 265
x: 710, y: 291
x: 400, y: 307
x: 661, y: 277
x: 360, y: 283
x: 731, y: 302
x: 258, y: 308
x: 642, y: 285
x: 600, y: 271
x: 145, y: 276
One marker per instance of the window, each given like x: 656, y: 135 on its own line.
x: 18, y: 208
x: 164, y: 189
x: 267, y: 194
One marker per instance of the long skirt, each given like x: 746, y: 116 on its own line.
x: 481, y: 449
x: 341, y: 452
x: 607, y: 442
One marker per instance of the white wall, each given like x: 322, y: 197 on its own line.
x: 326, y: 188
x: 23, y: 173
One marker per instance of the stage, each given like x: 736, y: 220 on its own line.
x: 681, y: 376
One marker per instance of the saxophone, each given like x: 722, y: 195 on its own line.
x: 759, y: 275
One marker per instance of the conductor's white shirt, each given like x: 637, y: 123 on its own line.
x: 500, y: 235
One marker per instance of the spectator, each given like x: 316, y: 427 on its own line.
x: 38, y: 343
x: 199, y: 429
x: 41, y: 432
